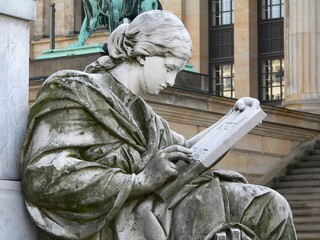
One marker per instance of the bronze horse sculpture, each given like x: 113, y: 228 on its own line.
x: 111, y: 13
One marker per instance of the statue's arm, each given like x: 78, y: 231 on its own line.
x: 57, y: 165
x: 63, y: 181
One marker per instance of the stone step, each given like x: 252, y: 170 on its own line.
x: 307, y: 227
x: 312, y: 157
x: 314, y: 219
x: 316, y: 147
x: 299, y: 183
x: 315, y: 152
x: 305, y: 212
x: 295, y: 204
x: 307, y: 164
x: 302, y: 197
x: 301, y: 190
x: 304, y: 170
x: 300, y: 177
x: 308, y: 235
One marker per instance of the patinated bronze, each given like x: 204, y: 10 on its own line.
x: 110, y: 13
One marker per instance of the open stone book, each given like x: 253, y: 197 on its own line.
x: 209, y: 150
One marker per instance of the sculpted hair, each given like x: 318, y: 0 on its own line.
x: 152, y: 33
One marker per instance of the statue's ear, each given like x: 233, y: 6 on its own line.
x: 141, y: 59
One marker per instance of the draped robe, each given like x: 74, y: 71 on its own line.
x: 89, y: 137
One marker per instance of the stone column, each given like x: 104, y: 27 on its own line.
x: 246, y: 48
x: 41, y: 26
x: 302, y: 55
x: 14, y: 83
x: 195, y: 17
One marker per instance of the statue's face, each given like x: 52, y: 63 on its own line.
x: 159, y: 73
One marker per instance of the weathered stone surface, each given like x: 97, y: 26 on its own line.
x: 14, y: 52
x: 14, y: 219
x: 96, y: 152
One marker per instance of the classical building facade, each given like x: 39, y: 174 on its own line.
x: 261, y: 48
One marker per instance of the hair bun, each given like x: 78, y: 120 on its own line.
x: 119, y: 46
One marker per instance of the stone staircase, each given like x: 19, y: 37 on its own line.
x: 301, y: 187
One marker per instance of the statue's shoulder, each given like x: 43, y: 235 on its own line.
x: 75, y: 77
x: 75, y: 82
x: 62, y: 75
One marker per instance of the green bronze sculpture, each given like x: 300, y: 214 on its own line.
x: 111, y: 13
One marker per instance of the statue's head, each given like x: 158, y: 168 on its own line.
x: 152, y: 33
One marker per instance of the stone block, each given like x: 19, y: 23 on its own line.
x: 186, y: 130
x: 14, y: 220
x: 260, y: 164
x: 14, y: 68
x: 250, y: 142
x: 234, y: 161
x: 276, y: 146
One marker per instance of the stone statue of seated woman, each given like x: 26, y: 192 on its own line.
x: 95, y: 153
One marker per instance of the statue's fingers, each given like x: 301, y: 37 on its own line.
x: 172, y: 156
x: 255, y: 103
x: 172, y: 169
x: 251, y: 102
x: 178, y: 148
x: 247, y: 101
x: 240, y: 105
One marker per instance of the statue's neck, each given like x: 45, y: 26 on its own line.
x: 128, y: 74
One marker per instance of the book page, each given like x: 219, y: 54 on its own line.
x: 209, y: 150
x: 225, y: 134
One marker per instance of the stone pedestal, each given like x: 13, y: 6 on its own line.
x: 14, y: 220
x: 14, y: 70
x: 302, y: 55
x: 71, y: 51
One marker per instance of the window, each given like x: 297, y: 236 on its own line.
x: 221, y: 43
x: 222, y: 12
x: 271, y: 9
x: 221, y: 47
x: 223, y: 79
x: 272, y: 74
x: 271, y: 37
x: 271, y: 51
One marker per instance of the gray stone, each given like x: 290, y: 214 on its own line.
x: 14, y: 220
x: 96, y: 153
x: 14, y: 26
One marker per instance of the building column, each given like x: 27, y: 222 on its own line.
x: 195, y: 17
x: 14, y: 69
x: 246, y: 48
x: 302, y: 55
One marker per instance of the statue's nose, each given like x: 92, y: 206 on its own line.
x: 171, y: 80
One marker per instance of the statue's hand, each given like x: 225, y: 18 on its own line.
x: 243, y: 102
x: 162, y: 167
